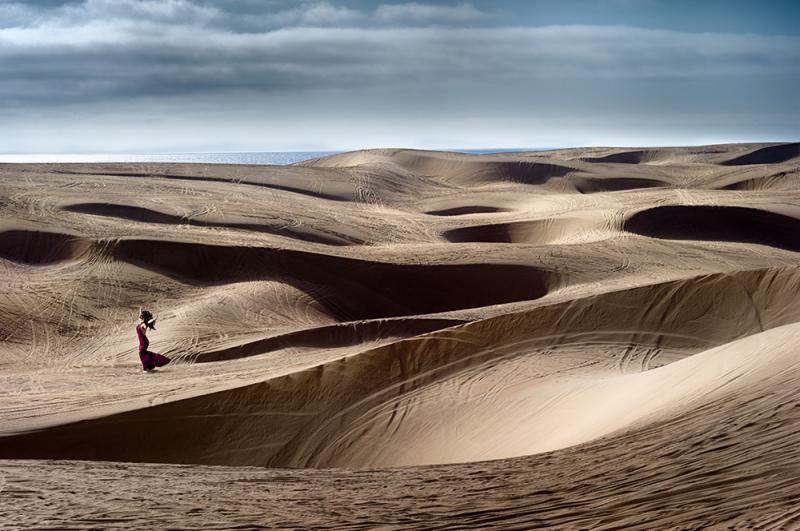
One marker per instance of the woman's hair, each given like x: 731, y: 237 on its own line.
x: 147, y: 317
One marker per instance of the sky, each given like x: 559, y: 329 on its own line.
x: 158, y: 76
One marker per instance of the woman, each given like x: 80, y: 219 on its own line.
x: 150, y: 360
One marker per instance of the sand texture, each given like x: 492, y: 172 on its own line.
x: 592, y: 338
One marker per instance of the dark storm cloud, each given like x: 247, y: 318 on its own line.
x: 73, y: 51
x: 86, y: 53
x: 104, y: 49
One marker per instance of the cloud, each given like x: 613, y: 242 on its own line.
x: 184, y: 12
x: 233, y: 15
x: 414, y: 12
x: 627, y: 3
x: 73, y: 58
x: 318, y: 14
x: 121, y: 56
x: 14, y: 14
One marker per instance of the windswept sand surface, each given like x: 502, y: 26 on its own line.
x: 586, y: 338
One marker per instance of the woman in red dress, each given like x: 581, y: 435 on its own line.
x: 150, y: 360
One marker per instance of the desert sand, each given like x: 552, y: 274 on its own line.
x: 402, y: 339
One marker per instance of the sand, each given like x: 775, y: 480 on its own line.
x: 583, y: 338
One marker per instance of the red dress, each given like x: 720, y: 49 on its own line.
x: 150, y: 360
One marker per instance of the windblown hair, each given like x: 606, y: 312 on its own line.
x: 147, y: 317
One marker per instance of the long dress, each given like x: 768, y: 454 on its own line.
x: 150, y: 360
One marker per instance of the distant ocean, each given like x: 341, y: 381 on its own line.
x: 259, y: 157
x: 256, y: 157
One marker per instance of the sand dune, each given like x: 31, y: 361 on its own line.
x: 461, y: 211
x: 449, y: 168
x: 351, y: 289
x: 627, y: 157
x: 331, y: 336
x: 587, y: 338
x: 147, y: 215
x: 541, y: 232
x: 753, y: 154
x: 718, y: 223
x: 775, y: 181
x: 38, y: 248
x: 768, y: 155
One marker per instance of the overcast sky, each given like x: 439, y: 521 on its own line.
x: 144, y: 76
